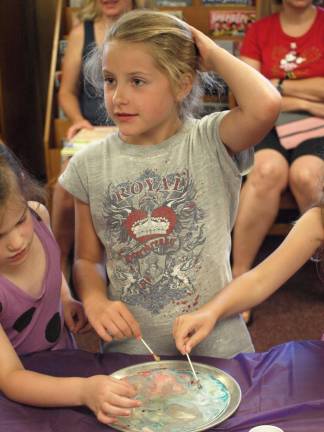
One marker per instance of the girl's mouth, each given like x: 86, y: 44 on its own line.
x: 125, y: 116
x: 18, y: 255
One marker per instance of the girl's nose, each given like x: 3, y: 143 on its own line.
x: 15, y: 241
x: 120, y: 95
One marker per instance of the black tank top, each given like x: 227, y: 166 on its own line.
x: 91, y: 103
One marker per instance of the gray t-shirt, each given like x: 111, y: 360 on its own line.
x: 164, y: 214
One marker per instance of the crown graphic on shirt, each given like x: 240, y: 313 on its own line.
x: 150, y: 226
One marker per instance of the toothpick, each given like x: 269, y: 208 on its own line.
x: 156, y: 357
x: 194, y: 372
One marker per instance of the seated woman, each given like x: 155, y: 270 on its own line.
x: 287, y: 47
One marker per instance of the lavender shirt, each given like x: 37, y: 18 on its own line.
x: 36, y: 324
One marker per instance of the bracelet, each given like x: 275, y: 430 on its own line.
x: 279, y: 86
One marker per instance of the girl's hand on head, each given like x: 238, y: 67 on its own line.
x: 112, y: 320
x: 108, y: 397
x: 190, y: 329
x: 205, y: 46
x: 76, y: 127
x: 74, y: 316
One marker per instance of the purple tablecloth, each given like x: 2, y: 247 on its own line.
x: 283, y: 387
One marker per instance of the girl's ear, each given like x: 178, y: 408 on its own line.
x: 185, y: 87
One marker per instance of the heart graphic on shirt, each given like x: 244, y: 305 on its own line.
x: 143, y: 226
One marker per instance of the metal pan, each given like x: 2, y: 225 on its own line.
x: 171, y: 402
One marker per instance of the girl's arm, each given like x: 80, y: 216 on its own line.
x: 258, y: 101
x: 110, y: 319
x: 257, y: 284
x: 105, y: 396
x: 70, y: 84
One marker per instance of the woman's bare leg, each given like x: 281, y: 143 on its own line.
x: 258, y: 208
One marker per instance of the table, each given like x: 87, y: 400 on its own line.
x: 283, y: 387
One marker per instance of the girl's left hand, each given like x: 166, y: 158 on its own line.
x: 74, y: 316
x: 192, y: 328
x: 206, y: 48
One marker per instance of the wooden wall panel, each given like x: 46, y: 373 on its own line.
x: 26, y: 39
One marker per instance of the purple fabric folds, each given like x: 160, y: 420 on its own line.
x: 282, y: 387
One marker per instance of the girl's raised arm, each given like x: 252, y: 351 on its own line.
x: 263, y: 280
x: 258, y: 101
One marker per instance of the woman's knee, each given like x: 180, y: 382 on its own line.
x: 268, y: 175
x: 306, y: 179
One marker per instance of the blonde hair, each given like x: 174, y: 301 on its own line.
x: 172, y: 47
x: 91, y: 10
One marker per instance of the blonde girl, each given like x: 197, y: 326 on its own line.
x: 156, y: 201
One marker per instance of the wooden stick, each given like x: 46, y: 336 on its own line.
x: 156, y: 357
x: 194, y: 372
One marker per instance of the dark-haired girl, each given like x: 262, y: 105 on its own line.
x: 35, y: 302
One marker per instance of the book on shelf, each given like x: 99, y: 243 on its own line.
x: 61, y: 114
x: 58, y: 79
x: 76, y: 3
x: 230, y: 45
x: 85, y: 137
x: 62, y: 46
x: 230, y: 23
x: 173, y: 3
x: 230, y: 2
x: 61, y: 51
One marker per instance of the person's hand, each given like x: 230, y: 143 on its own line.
x: 190, y: 329
x: 112, y: 320
x: 206, y: 48
x: 74, y: 316
x: 76, y: 127
x: 108, y: 397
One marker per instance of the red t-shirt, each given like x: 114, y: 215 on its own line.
x: 283, y: 56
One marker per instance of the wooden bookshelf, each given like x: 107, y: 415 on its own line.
x: 51, y: 145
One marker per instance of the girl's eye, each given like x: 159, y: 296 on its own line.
x: 110, y: 81
x: 138, y: 82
